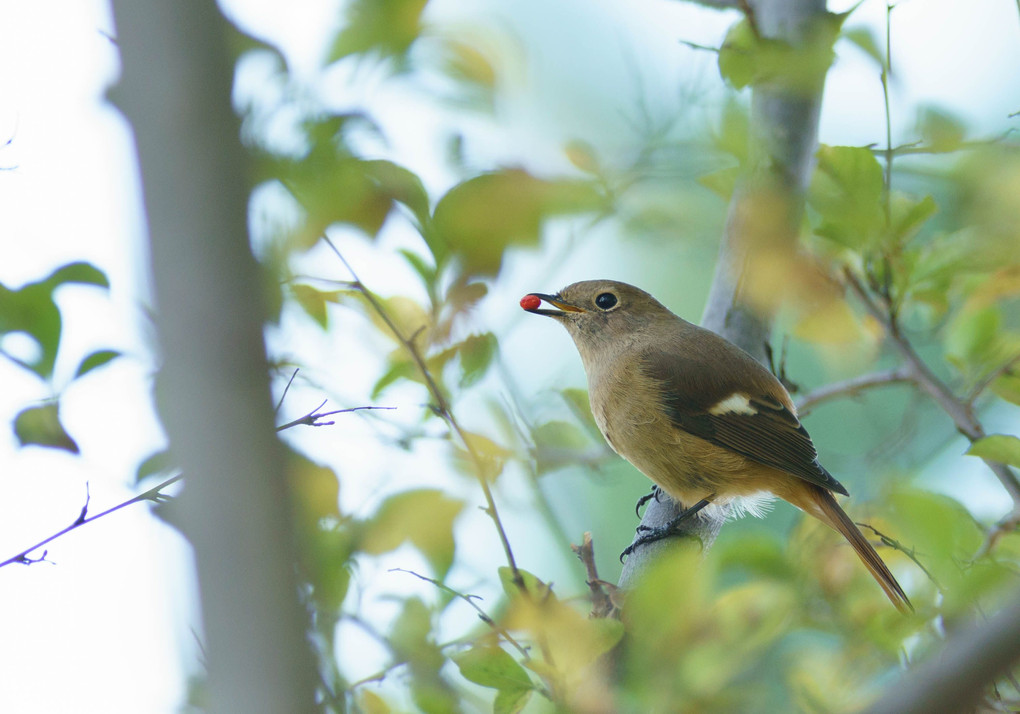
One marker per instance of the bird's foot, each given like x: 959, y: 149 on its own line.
x: 650, y: 535
x: 655, y: 493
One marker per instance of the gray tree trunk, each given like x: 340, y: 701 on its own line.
x: 212, y: 390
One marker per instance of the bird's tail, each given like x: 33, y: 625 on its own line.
x: 821, y: 504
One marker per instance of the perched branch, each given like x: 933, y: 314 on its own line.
x: 852, y: 387
x: 958, y: 410
x: 153, y: 494
x: 955, y: 680
x: 442, y: 408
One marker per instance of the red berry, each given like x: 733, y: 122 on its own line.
x: 530, y: 302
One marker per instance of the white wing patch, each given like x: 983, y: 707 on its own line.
x: 736, y: 403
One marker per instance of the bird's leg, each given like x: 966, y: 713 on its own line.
x: 655, y: 493
x: 650, y: 535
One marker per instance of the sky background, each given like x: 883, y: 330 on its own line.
x: 110, y: 626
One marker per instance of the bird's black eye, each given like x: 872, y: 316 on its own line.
x: 605, y: 301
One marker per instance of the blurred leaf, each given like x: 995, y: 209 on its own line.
x: 401, y: 185
x: 971, y: 332
x: 731, y: 136
x: 158, y: 463
x: 940, y: 131
x: 411, y: 640
x: 425, y: 271
x: 95, y: 360
x: 864, y: 39
x: 484, y: 458
x: 333, y: 186
x: 583, y: 156
x: 557, y: 444
x: 81, y: 273
x: 40, y: 426
x: 425, y: 518
x: 909, y: 215
x: 32, y: 310
x: 477, y: 220
x: 997, y: 447
x: 371, y: 703
x: 580, y: 406
x: 722, y: 182
x: 846, y: 191
x: 476, y: 353
x: 385, y: 27
x: 1007, y: 387
x: 315, y: 490
x: 491, y: 666
x: 313, y: 302
x: 535, y: 588
x: 746, y: 59
x: 398, y: 369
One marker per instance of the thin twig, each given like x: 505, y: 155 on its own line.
x: 1007, y: 524
x: 957, y: 409
x: 153, y: 494
x: 896, y: 545
x: 987, y: 380
x: 443, y: 410
x: 470, y: 600
x: 603, y: 602
x: 312, y: 418
x: 852, y: 387
x: 287, y: 389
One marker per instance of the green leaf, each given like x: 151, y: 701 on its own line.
x: 476, y: 353
x: 557, y: 444
x: 426, y: 271
x: 398, y: 369
x: 537, y: 589
x: 491, y: 666
x: 384, y: 27
x: 846, y: 191
x: 32, y: 310
x: 1007, y: 387
x: 477, y: 220
x: 401, y: 185
x: 80, y: 272
x: 510, y: 701
x: 941, y: 131
x: 722, y: 182
x: 909, y: 215
x: 997, y: 447
x: 864, y: 39
x: 157, y: 463
x: 425, y: 518
x: 40, y: 426
x: 95, y: 360
x: 313, y: 302
x: 737, y: 62
x: 972, y: 332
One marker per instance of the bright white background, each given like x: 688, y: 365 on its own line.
x: 110, y: 625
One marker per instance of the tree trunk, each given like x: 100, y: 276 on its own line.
x: 212, y: 390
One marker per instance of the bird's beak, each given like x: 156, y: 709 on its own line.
x: 554, y: 300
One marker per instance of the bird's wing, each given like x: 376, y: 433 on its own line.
x: 749, y: 417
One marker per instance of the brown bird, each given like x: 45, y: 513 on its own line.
x: 695, y: 413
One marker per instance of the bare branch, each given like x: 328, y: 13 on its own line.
x: 603, y: 600
x: 442, y: 409
x: 470, y: 600
x: 852, y: 387
x: 958, y: 410
x: 955, y: 680
x: 153, y: 494
x: 312, y: 418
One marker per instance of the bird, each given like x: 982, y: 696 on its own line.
x: 699, y: 416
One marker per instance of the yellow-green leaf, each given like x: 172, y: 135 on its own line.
x: 424, y: 517
x: 997, y: 447
x: 40, y: 426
